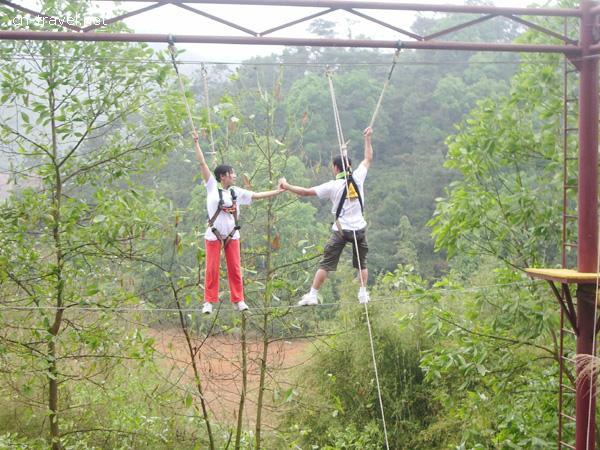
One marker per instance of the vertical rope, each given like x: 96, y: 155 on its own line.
x: 385, y: 85
x: 336, y: 116
x: 173, y: 52
x: 343, y: 153
x: 592, y: 359
x: 207, y: 106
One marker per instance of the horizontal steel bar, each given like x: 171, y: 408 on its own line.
x: 314, y: 42
x: 564, y: 386
x: 567, y: 330
x: 567, y: 445
x: 568, y: 417
x: 345, y: 4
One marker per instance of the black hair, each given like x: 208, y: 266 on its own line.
x: 337, y: 162
x: 222, y: 169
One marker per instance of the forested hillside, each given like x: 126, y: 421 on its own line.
x: 102, y: 254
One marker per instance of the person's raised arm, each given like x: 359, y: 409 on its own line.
x: 368, y: 158
x: 298, y: 190
x: 204, y: 170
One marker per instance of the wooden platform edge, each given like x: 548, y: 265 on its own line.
x: 565, y: 276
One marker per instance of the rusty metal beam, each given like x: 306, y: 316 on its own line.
x: 384, y: 24
x: 460, y: 26
x: 587, y: 234
x: 569, y: 50
x: 123, y: 16
x: 350, y: 4
x: 296, y: 22
x: 566, y: 303
x: 541, y: 29
x: 217, y: 19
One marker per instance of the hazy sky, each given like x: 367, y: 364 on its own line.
x: 171, y: 19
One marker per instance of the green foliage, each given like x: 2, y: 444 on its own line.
x: 338, y: 405
x: 107, y: 212
x: 492, y: 370
x: 508, y: 153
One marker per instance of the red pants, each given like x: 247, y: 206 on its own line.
x: 234, y: 271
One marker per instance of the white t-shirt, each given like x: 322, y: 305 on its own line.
x: 351, y: 217
x: 225, y: 221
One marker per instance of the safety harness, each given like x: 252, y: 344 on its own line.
x: 226, y: 209
x: 351, y: 192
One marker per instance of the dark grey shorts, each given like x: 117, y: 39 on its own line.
x: 335, y: 245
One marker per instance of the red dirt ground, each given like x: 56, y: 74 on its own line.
x: 220, y: 365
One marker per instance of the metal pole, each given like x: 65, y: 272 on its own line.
x: 570, y: 50
x: 587, y: 208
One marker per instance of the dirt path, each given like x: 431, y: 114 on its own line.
x: 220, y: 363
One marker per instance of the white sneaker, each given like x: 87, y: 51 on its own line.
x: 207, y: 308
x: 363, y: 297
x: 241, y: 306
x: 308, y: 300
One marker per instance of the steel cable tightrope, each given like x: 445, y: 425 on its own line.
x: 380, y: 300
x: 344, y: 154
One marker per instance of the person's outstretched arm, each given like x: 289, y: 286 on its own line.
x: 266, y: 194
x: 298, y: 190
x: 204, y: 170
x: 368, y: 158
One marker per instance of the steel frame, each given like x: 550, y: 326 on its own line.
x: 357, y: 8
x: 582, y: 52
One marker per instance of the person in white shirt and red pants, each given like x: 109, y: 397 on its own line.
x: 349, y: 226
x: 222, y: 201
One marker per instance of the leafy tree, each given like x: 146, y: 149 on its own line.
x: 79, y: 127
x: 498, y: 217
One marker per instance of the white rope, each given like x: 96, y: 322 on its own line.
x: 207, y: 106
x: 343, y: 153
x: 593, y: 367
x: 385, y: 85
x: 173, y: 52
x: 336, y: 116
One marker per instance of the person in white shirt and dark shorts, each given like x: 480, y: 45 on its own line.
x: 350, y: 223
x: 223, y: 199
